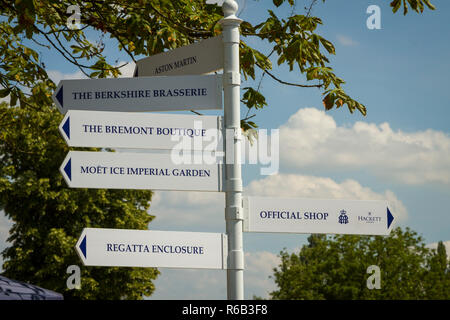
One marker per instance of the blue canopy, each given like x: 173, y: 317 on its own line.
x: 17, y: 290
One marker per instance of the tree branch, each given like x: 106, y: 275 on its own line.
x: 289, y: 83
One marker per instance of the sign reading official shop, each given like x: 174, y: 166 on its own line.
x: 156, y: 170
x: 198, y: 58
x: 263, y: 214
x: 145, y: 248
x: 140, y: 94
x: 141, y: 130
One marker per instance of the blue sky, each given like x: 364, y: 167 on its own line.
x: 400, y: 73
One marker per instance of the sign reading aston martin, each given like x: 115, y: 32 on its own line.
x: 198, y: 58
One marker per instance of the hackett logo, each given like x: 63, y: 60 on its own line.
x: 369, y: 218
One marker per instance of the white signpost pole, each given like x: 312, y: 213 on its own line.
x: 233, y: 195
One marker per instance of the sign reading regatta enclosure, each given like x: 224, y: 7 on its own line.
x: 198, y: 58
x: 364, y: 217
x: 117, y: 170
x: 145, y: 248
x: 140, y: 94
x: 141, y: 130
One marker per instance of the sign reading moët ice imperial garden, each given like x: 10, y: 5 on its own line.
x: 364, y: 217
x: 120, y: 170
x: 140, y: 94
x: 145, y: 248
x: 141, y: 130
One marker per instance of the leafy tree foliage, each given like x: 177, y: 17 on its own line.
x: 149, y: 27
x: 336, y: 268
x: 438, y: 276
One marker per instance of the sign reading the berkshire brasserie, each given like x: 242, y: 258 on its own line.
x: 145, y: 248
x: 140, y: 94
x: 364, y: 217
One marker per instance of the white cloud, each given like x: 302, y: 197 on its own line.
x: 446, y: 244
x: 218, y: 2
x: 346, y: 40
x: 189, y: 211
x: 312, y: 138
x: 5, y: 226
x: 127, y: 70
x: 186, y: 284
x: 57, y: 76
x: 258, y: 268
x: 181, y: 284
x: 5, y: 99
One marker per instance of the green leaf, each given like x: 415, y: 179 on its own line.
x: 278, y: 2
x: 396, y: 5
x: 4, y: 92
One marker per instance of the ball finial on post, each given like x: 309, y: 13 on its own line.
x: 229, y: 8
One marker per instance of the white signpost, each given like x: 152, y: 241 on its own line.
x: 145, y: 248
x: 141, y: 130
x: 158, y: 171
x: 150, y: 91
x: 232, y: 115
x: 140, y: 94
x: 263, y: 214
x: 199, y: 58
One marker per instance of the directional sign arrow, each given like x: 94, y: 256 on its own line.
x: 371, y: 217
x: 81, y: 247
x: 59, y: 95
x: 140, y: 94
x: 141, y: 130
x: 64, y: 128
x: 390, y: 218
x: 145, y: 248
x: 158, y: 171
x: 199, y: 58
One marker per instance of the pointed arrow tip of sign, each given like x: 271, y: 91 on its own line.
x: 66, y: 127
x: 68, y: 169
x: 390, y: 218
x: 59, y: 96
x: 82, y: 247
